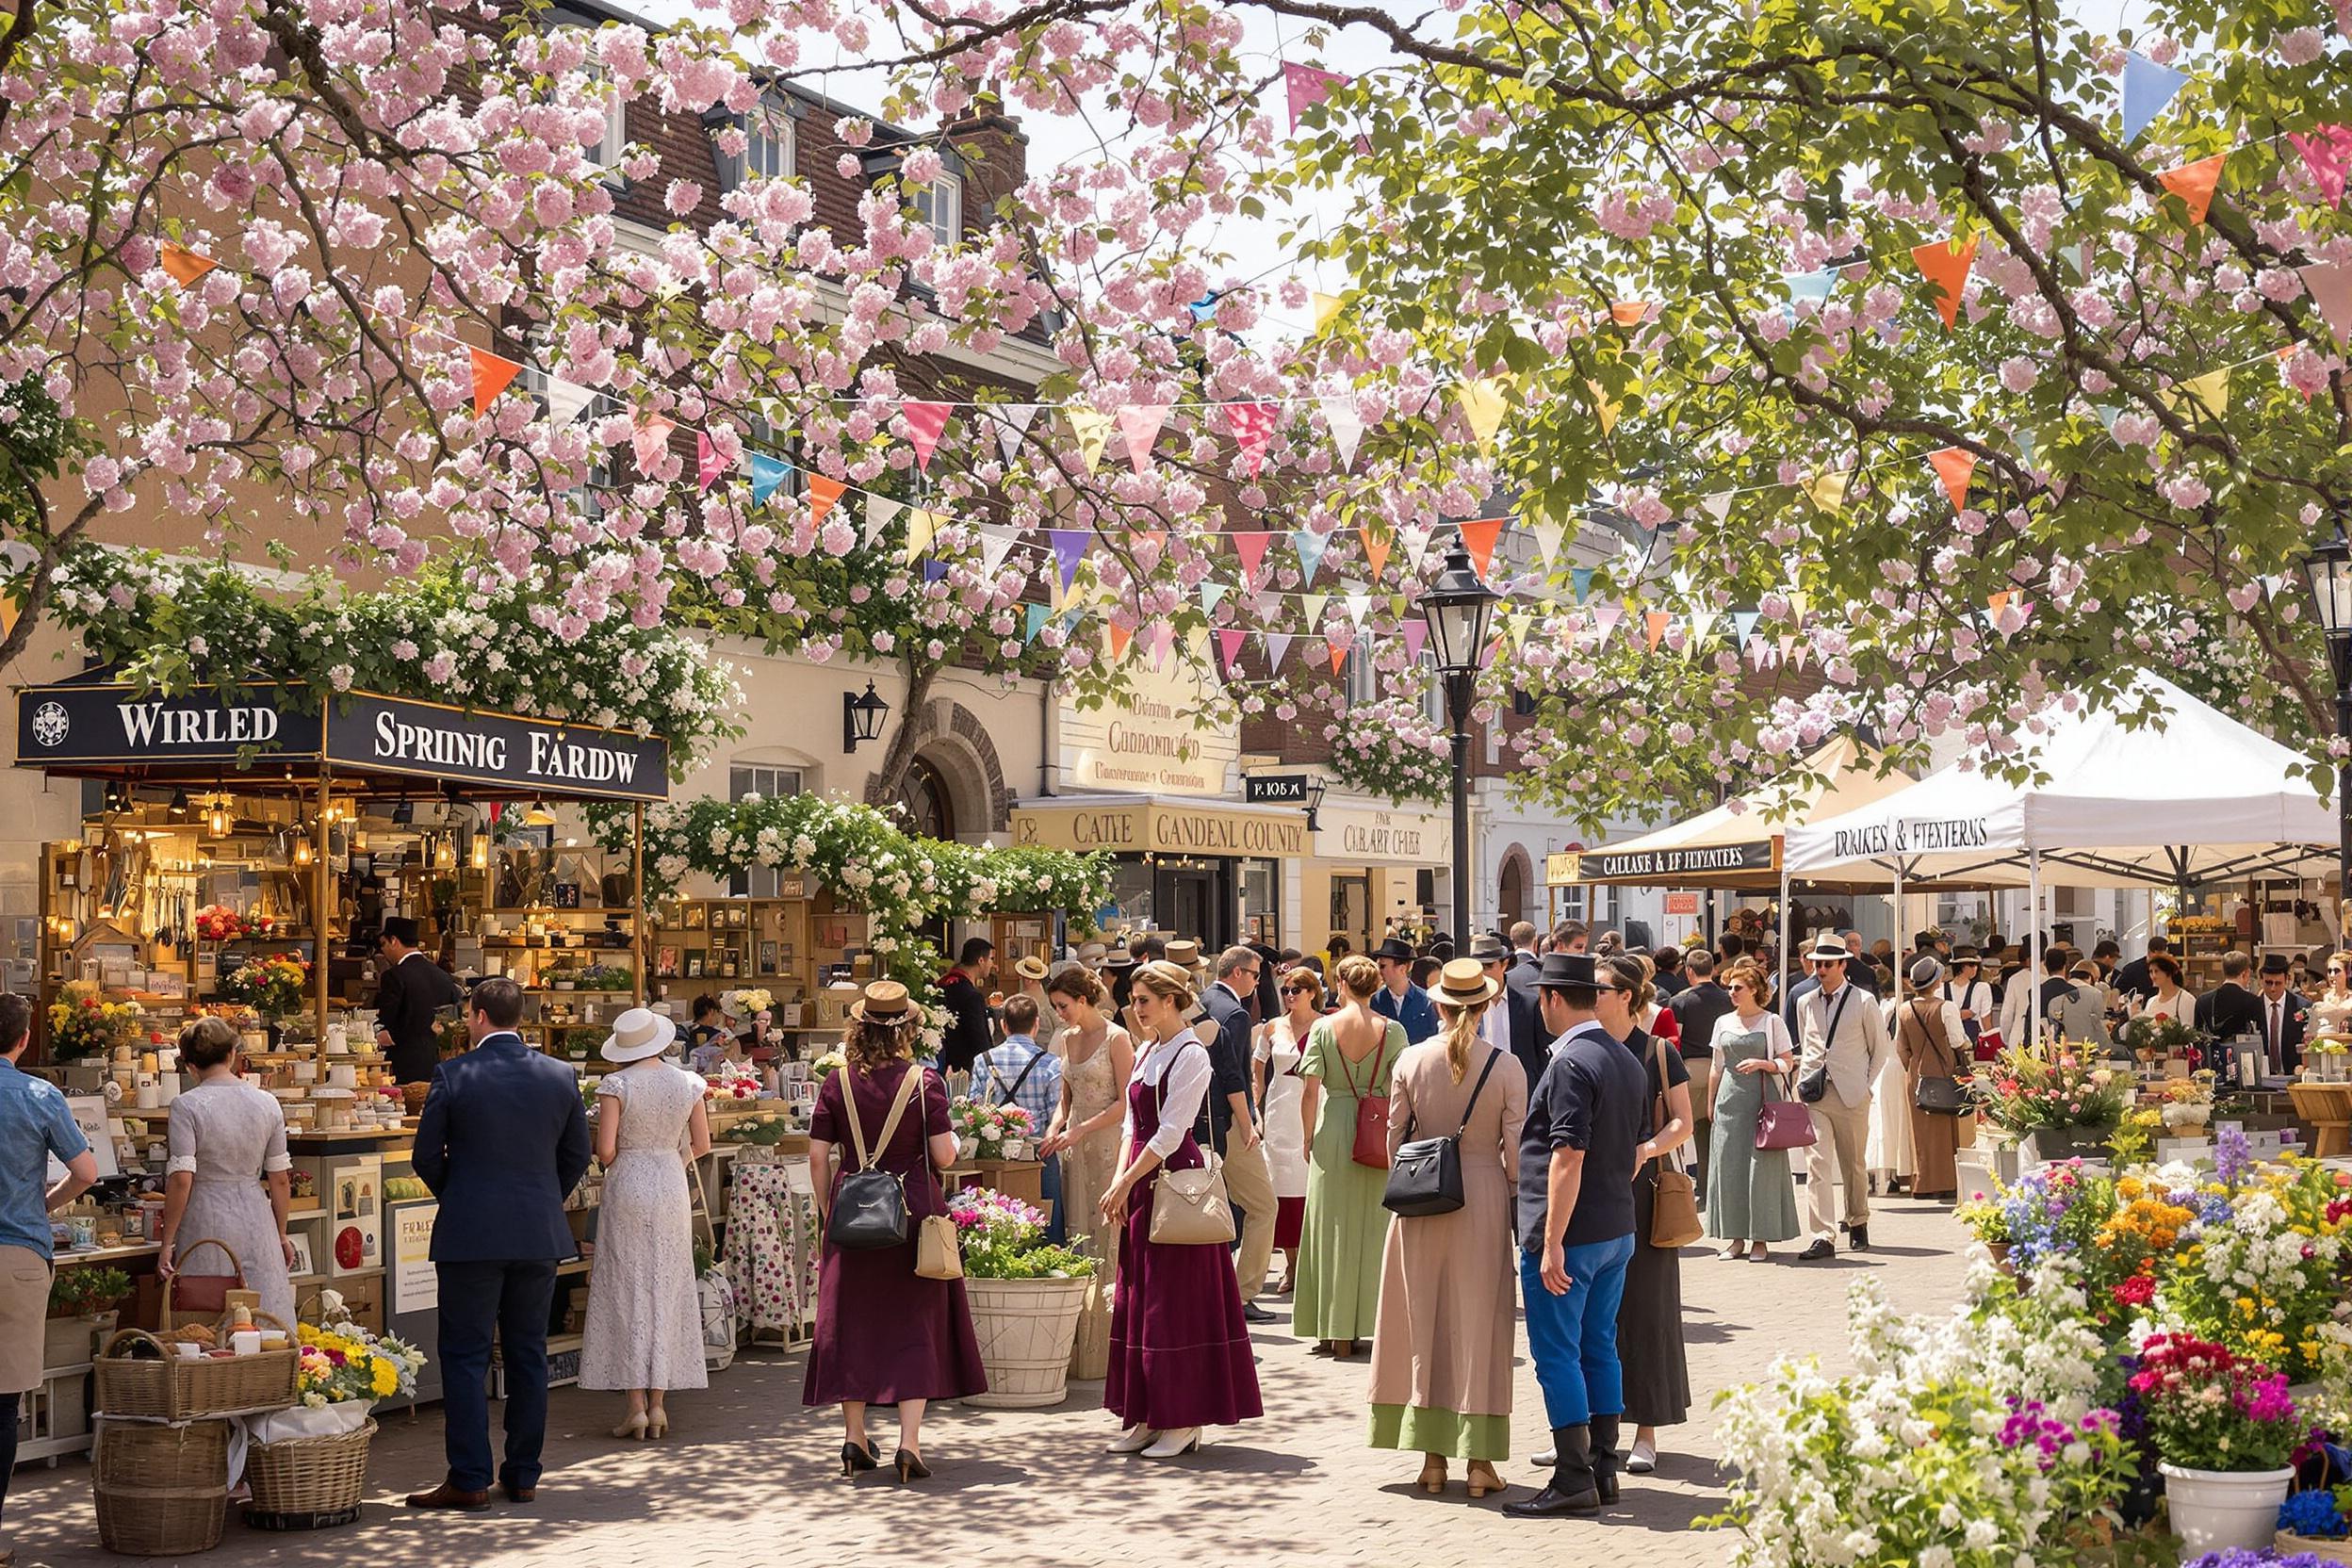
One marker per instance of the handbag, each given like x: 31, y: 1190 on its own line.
x: 869, y: 1205
x: 202, y: 1296
x: 1938, y: 1094
x: 1189, y: 1208
x: 1814, y: 1087
x: 1675, y: 1222
x: 938, y: 1251
x: 1371, y: 1145
x: 1783, y: 1123
x: 1425, y: 1177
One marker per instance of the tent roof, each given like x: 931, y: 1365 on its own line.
x: 2192, y: 796
x: 1746, y: 833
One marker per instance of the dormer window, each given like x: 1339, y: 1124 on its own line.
x: 940, y: 205
x: 769, y: 143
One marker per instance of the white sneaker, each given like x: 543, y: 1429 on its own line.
x: 1642, y: 1459
x: 1548, y: 1457
x: 1174, y: 1444
x: 1135, y: 1440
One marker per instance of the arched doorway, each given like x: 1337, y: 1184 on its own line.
x: 1512, y: 895
x: 923, y: 796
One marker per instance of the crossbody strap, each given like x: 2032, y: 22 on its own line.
x: 1493, y: 1056
x: 898, y: 1108
x: 1014, y: 1088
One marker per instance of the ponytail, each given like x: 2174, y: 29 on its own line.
x: 1461, y: 1034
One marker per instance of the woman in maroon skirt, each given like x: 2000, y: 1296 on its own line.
x: 1180, y: 1348
x: 885, y: 1334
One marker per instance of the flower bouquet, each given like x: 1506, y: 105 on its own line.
x: 273, y: 985
x: 2157, y: 1035
x: 83, y: 1023
x: 2050, y: 1087
x: 217, y: 922
x: 828, y: 1064
x: 344, y: 1369
x: 747, y: 1003
x: 985, y: 1130
x: 2184, y: 1104
x: 2223, y: 1428
x: 733, y: 1082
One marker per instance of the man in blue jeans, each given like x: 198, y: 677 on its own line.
x: 1576, y: 1226
x: 501, y: 1141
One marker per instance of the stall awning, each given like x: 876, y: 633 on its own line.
x: 1159, y: 824
x: 259, y: 740
x: 1736, y: 844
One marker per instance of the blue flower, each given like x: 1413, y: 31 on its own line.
x: 2311, y: 1514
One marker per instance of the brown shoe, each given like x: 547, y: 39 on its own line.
x: 449, y: 1500
x: 519, y: 1493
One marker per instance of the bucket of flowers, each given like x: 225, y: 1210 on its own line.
x: 83, y: 1023
x: 1024, y: 1293
x: 984, y: 1130
x: 2318, y: 1522
x: 732, y: 1084
x: 2055, y: 1099
x: 2224, y: 1428
x: 272, y: 985
x: 307, y: 1464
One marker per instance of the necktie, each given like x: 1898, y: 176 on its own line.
x: 2276, y: 1066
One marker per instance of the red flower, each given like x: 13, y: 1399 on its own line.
x: 2137, y: 1291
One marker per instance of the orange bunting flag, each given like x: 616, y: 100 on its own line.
x: 1998, y: 602
x: 1339, y: 657
x: 822, y: 494
x: 491, y: 375
x: 1480, y: 538
x: 1629, y: 313
x: 2195, y: 184
x: 1946, y: 265
x: 183, y: 265
x: 1121, y: 637
x: 1653, y: 625
x: 1955, y: 466
x: 1375, y: 553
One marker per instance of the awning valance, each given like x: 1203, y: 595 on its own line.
x: 1158, y: 825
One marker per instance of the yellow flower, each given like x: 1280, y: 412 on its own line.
x: 387, y: 1379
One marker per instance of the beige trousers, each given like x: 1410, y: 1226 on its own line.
x: 1841, y: 1136
x: 1251, y: 1185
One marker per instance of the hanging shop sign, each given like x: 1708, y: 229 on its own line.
x: 395, y: 735
x: 61, y: 726
x: 1377, y: 834
x: 1664, y: 865
x: 1275, y: 788
x: 1150, y: 738
x: 1160, y: 827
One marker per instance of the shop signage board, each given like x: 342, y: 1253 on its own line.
x: 1386, y: 835
x: 1150, y: 738
x: 1560, y: 868
x: 1682, y: 903
x: 395, y: 735
x: 1160, y: 827
x: 1664, y: 865
x: 62, y: 726
x: 1275, y: 788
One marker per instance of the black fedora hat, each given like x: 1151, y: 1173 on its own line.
x: 2276, y: 963
x: 1562, y: 971
x: 1397, y: 948
x: 402, y: 929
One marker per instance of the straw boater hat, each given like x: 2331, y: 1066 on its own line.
x: 637, y: 1034
x: 885, y: 1001
x: 1186, y: 955
x: 1031, y: 968
x: 1171, y: 972
x: 1463, y: 983
x: 1092, y: 954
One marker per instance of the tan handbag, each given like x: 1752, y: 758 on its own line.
x: 1675, y: 1222
x: 938, y: 1251
x: 1189, y: 1208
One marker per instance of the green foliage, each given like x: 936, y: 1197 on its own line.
x: 80, y: 1291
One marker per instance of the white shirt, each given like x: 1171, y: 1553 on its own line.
x: 1494, y: 1028
x: 1181, y: 1077
x: 1590, y: 1026
x: 1975, y: 997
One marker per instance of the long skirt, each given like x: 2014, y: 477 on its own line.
x: 1180, y: 1347
x: 1649, y: 1322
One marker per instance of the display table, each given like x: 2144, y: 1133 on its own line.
x: 771, y: 1249
x: 1021, y: 1178
x: 2328, y: 1108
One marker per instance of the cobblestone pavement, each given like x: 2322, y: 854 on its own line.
x: 745, y: 1477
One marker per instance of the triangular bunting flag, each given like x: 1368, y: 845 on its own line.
x: 767, y: 474
x: 491, y: 376
x: 1276, y: 647
x: 922, y: 526
x: 1416, y: 635
x: 924, y: 421
x: 1827, y: 489
x: 1162, y: 643
x: 1306, y: 87
x: 1140, y: 424
x: 1312, y: 606
x: 1346, y: 427
x: 1339, y: 656
x: 1119, y: 637
x: 1998, y: 602
x: 1603, y: 407
x: 879, y: 510
x: 648, y: 439
x: 710, y: 463
x: 1653, y: 625
x: 1629, y: 313
x: 1787, y: 645
x: 1249, y: 546
x: 1955, y: 466
x: 1092, y: 428
x: 2329, y: 285
x: 2108, y: 414
x: 1580, y: 581
x: 994, y: 548
x: 184, y: 266
x: 1604, y: 618
x: 2327, y: 153
x: 565, y: 399
x: 1310, y: 546
x: 2077, y: 257
x: 1035, y: 615
x: 2195, y: 184
x: 1212, y: 595
x: 1069, y: 549
x: 1417, y: 540
x: 1012, y: 423
x: 2209, y: 392
x: 2146, y: 88
x: 1718, y: 505
x: 1743, y: 625
x: 1809, y: 288
x: 822, y: 494
x: 1252, y: 425
x: 1702, y: 622
x: 1359, y: 606
x: 1946, y: 265
x: 1327, y: 309
x: 932, y: 568
x: 1547, y: 533
x: 1479, y: 538
x: 1375, y: 553
x: 1482, y: 404
x: 1228, y: 648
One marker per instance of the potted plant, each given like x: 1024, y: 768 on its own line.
x: 2223, y: 1428
x: 984, y: 1131
x: 1024, y: 1296
x: 81, y: 1307
x: 2056, y: 1101
x: 1988, y: 1220
x: 2318, y: 1522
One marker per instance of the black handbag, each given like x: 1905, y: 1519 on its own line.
x: 869, y: 1205
x: 1814, y: 1087
x: 1941, y: 1097
x: 1425, y: 1178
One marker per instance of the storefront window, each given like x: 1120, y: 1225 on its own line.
x: 1131, y: 895
x: 1261, y: 902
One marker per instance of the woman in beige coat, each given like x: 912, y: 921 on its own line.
x: 1442, y: 1347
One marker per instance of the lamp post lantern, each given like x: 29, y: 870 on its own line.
x: 1460, y: 609
x: 861, y: 717
x: 2328, y: 569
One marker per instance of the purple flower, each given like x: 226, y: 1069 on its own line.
x: 2233, y: 1158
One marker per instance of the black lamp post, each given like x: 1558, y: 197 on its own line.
x: 1460, y: 609
x: 861, y: 717
x: 2330, y: 571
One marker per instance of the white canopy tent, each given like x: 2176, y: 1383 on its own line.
x: 2186, y: 796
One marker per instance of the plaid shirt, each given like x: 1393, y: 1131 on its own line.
x: 1039, y: 1092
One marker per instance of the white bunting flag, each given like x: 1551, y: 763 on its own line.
x: 1347, y: 428
x: 994, y: 546
x: 879, y: 510
x: 565, y: 399
x: 1012, y: 424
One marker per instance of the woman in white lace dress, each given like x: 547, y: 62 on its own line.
x: 645, y: 1320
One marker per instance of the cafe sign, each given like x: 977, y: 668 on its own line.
x: 1382, y: 834
x: 1149, y: 738
x: 1664, y: 865
x: 1160, y: 827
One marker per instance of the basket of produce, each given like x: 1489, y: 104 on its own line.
x: 161, y: 1491
x: 188, y: 1373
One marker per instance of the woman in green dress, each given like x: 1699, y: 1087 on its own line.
x: 1348, y: 1058
x: 1751, y: 1198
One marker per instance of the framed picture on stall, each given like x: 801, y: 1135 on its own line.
x: 693, y: 966
x: 767, y: 958
x: 696, y: 916
x: 299, y: 1241
x: 665, y: 963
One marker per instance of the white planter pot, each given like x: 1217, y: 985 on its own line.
x: 1025, y: 1328
x: 2215, y: 1509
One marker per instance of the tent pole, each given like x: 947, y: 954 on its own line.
x: 2033, y: 945
x: 1899, y: 948
x: 322, y: 886
x: 1779, y: 980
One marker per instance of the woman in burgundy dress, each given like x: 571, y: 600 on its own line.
x: 1180, y: 1348
x: 885, y: 1335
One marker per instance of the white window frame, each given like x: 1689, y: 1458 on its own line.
x: 772, y: 114
x: 947, y: 193
x: 767, y: 779
x: 1363, y: 680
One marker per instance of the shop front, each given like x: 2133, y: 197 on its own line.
x: 1371, y: 864
x: 1190, y: 868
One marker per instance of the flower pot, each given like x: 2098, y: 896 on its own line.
x: 2214, y: 1510
x: 71, y: 1341
x: 2048, y: 1145
x: 2000, y: 1251
x: 1025, y: 1327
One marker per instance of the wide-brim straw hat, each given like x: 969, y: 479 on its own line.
x: 1185, y: 953
x: 637, y: 1034
x: 883, y: 1002
x: 1031, y: 968
x: 1828, y: 947
x: 1464, y: 983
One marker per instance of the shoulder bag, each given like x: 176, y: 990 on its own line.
x: 1814, y: 1087
x: 1425, y: 1177
x: 1782, y: 1123
x: 1189, y: 1208
x: 939, y: 1247
x: 1675, y: 1222
x: 869, y: 1205
x: 1371, y: 1145
x: 1936, y: 1094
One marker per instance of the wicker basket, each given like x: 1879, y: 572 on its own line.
x: 2289, y: 1543
x: 162, y: 1386
x: 309, y: 1475
x: 161, y: 1491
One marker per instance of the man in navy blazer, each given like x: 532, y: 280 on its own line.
x: 503, y: 1141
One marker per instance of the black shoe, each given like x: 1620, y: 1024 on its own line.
x: 1816, y: 1252
x: 1858, y: 1238
x: 1252, y: 1312
x: 1606, y: 1461
x: 854, y: 1458
x: 1573, y: 1488
x: 910, y: 1467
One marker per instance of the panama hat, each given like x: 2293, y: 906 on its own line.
x: 1185, y: 953
x: 1031, y: 968
x: 884, y: 1002
x: 1828, y: 947
x: 1463, y: 983
x: 637, y: 1034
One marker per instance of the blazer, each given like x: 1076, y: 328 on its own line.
x: 1230, y: 1043
x: 1528, y: 1043
x: 503, y: 1141
x: 2228, y: 1010
x: 2291, y: 1029
x: 1848, y: 1033
x: 406, y: 999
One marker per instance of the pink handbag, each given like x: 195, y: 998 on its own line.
x: 1782, y: 1123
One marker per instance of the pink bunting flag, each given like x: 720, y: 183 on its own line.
x: 1140, y: 424
x: 1228, y: 643
x: 1787, y: 645
x: 1416, y: 633
x: 2329, y: 285
x: 710, y: 463
x: 924, y: 423
x: 2327, y: 153
x: 649, y: 438
x: 1308, y: 86
x: 1250, y: 547
x: 1252, y: 425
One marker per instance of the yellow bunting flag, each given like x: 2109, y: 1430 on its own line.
x: 1327, y: 309
x: 2208, y: 393
x: 1955, y: 466
x: 2195, y: 184
x: 1602, y: 406
x: 1092, y: 427
x: 1827, y: 489
x: 1482, y: 404
x: 922, y: 528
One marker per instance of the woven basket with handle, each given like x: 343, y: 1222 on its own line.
x: 138, y: 1375
x: 309, y: 1475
